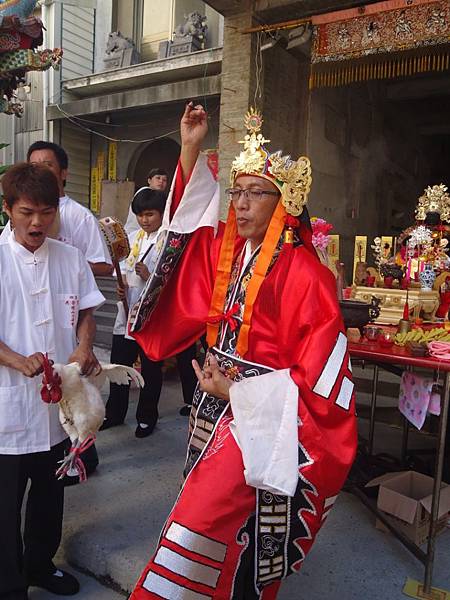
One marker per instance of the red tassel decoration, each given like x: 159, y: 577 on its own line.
x: 406, y: 308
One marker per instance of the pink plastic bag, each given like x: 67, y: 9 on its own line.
x: 414, y: 398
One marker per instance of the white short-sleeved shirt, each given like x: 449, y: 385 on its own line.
x: 135, y: 283
x: 41, y: 294
x: 78, y: 228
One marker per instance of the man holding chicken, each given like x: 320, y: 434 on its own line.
x: 47, y: 298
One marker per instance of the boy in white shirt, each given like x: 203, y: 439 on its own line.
x: 47, y: 298
x: 148, y: 206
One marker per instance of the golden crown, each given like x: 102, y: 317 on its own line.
x: 434, y: 199
x: 292, y: 178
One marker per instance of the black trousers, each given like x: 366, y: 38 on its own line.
x: 125, y: 352
x: 43, y: 518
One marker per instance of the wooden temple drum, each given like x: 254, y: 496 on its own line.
x: 116, y: 238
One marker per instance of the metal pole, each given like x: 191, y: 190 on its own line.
x: 405, y: 436
x: 373, y: 406
x: 437, y: 485
x: 45, y: 74
x: 405, y: 433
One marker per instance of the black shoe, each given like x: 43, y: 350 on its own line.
x: 108, y: 423
x: 185, y: 410
x: 59, y: 582
x: 143, y: 432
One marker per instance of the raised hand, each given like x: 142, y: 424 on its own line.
x: 211, y: 379
x: 193, y: 126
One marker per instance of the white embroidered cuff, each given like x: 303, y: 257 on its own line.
x: 265, y: 426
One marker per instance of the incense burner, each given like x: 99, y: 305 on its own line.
x: 357, y: 314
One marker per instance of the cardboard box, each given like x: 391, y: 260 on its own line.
x: 406, y: 499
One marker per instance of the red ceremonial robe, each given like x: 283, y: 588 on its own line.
x: 225, y: 539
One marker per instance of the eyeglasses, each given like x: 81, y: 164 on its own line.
x: 235, y: 193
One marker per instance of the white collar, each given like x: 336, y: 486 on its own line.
x: 40, y: 255
x: 63, y: 200
x: 151, y: 237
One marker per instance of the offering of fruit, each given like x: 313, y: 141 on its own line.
x: 420, y: 336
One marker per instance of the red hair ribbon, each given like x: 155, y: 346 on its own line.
x: 227, y: 316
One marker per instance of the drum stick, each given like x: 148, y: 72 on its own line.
x: 121, y: 284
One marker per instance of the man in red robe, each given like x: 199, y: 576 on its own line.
x: 272, y: 428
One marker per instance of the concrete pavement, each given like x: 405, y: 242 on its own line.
x: 113, y: 521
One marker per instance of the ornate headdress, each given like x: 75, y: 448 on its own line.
x: 292, y: 178
x: 434, y: 199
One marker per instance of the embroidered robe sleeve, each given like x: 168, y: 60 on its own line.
x: 179, y: 318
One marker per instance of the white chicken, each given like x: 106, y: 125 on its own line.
x: 81, y: 408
